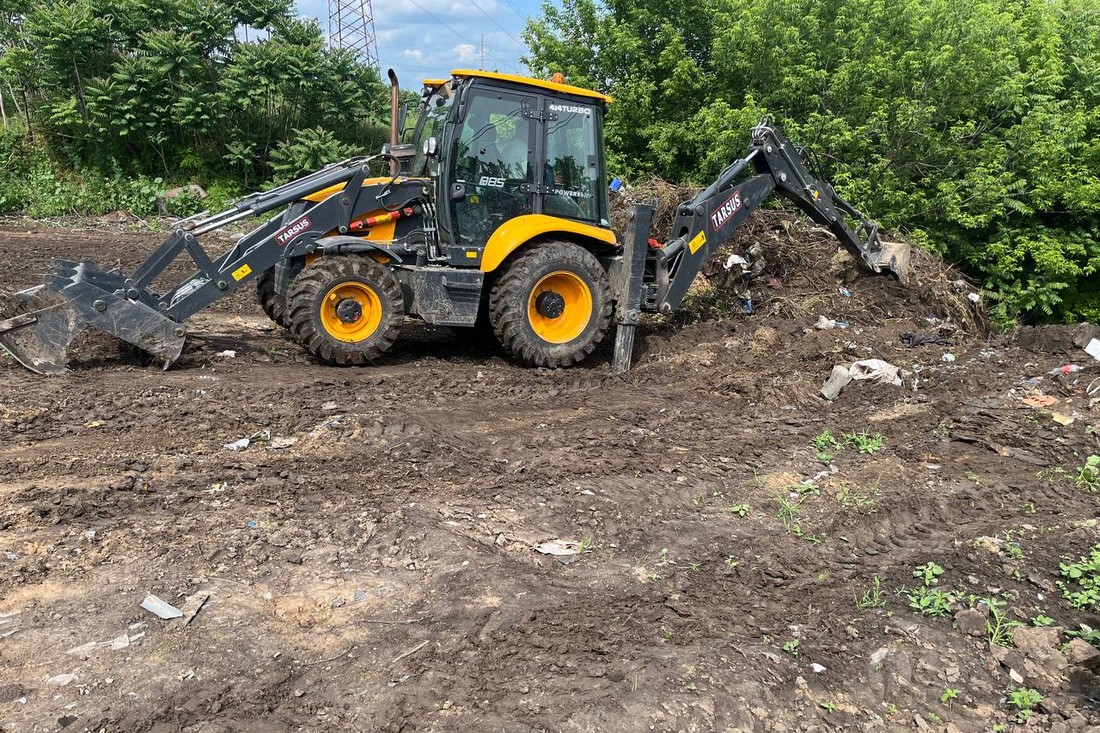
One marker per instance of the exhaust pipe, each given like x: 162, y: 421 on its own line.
x: 395, y: 103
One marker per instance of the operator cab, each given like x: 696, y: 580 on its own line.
x: 500, y: 147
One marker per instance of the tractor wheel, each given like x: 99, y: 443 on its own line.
x: 346, y: 310
x: 552, y: 305
x: 273, y: 304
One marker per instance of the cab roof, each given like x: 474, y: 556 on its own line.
x: 532, y: 82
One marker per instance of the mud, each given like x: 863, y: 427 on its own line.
x: 369, y: 558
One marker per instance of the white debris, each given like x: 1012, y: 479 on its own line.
x: 160, y: 607
x: 60, y: 680
x: 947, y: 358
x: 817, y: 668
x: 1093, y: 349
x: 824, y: 324
x: 558, y: 548
x: 238, y: 445
x: 227, y: 354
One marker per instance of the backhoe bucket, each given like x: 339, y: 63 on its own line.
x: 74, y: 297
x: 891, y: 256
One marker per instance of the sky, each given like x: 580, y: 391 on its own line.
x: 427, y: 38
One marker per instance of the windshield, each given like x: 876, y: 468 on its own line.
x: 432, y: 115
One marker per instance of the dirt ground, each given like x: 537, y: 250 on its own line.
x: 370, y: 565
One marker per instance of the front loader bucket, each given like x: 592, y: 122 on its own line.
x: 77, y: 296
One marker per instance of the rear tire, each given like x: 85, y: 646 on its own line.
x: 346, y: 310
x: 273, y: 304
x: 551, y: 307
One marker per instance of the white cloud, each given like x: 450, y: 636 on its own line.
x: 420, y: 46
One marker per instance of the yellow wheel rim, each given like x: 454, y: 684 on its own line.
x: 351, y: 311
x: 560, y: 307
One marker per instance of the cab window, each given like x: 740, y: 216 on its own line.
x: 572, y: 174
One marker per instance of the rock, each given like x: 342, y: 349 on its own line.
x: 60, y: 680
x: 972, y: 622
x: 1032, y: 639
x: 1082, y: 654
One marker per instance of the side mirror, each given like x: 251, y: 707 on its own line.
x: 458, y: 191
x: 431, y: 147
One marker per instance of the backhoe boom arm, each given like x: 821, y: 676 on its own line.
x: 771, y: 165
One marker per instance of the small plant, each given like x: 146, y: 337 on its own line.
x: 873, y: 597
x: 1000, y: 627
x: 666, y: 633
x: 1012, y: 546
x: 1024, y: 699
x: 692, y: 687
x: 1042, y: 620
x: 791, y: 647
x: 731, y: 562
x: 949, y: 696
x: 694, y: 566
x: 929, y: 573
x: 1088, y: 476
x: 741, y: 510
x: 1028, y: 508
x: 586, y: 545
x: 665, y: 559
x: 865, y: 442
x: 788, y: 512
x: 849, y: 498
x: 1081, y: 584
x: 827, y: 706
x: 971, y: 476
x: 930, y: 601
x: 825, y: 440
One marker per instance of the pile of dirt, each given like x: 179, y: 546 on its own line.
x: 794, y: 264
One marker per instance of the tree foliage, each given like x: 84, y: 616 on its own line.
x: 973, y: 124
x: 181, y: 87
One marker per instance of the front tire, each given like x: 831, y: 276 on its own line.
x: 273, y: 304
x: 551, y: 307
x: 346, y: 310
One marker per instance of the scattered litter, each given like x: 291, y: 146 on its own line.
x: 1041, y: 400
x: 948, y: 358
x: 845, y: 292
x: 974, y: 298
x: 187, y: 675
x: 119, y: 642
x: 838, y: 380
x: 824, y: 324
x: 876, y: 370
x: 817, y: 668
x: 1067, y: 369
x: 160, y: 607
x: 227, y: 354
x: 558, y: 548
x: 873, y: 369
x: 1062, y: 419
x: 1093, y: 349
x: 60, y: 680
x: 21, y: 700
x: 260, y: 436
x: 920, y: 339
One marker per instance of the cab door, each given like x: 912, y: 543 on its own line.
x: 494, y: 161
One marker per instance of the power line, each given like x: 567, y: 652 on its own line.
x: 519, y: 12
x: 519, y: 43
x: 449, y: 27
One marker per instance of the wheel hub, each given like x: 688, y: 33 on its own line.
x: 349, y: 310
x: 549, y: 304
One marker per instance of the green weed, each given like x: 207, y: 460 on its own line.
x: 1081, y: 581
x: 864, y: 442
x: 873, y: 597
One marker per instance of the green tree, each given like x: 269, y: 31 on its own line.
x: 973, y: 124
